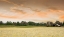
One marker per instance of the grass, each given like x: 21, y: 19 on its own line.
x: 13, y: 26
x: 32, y: 32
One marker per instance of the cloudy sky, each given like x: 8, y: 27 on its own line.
x: 31, y: 10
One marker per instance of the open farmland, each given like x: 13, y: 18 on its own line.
x: 32, y: 32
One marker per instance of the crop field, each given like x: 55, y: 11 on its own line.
x: 32, y: 32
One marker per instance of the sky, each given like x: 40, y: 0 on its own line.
x: 31, y: 10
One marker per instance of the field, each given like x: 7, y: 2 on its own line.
x: 32, y: 32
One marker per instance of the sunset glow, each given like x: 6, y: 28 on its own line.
x: 31, y: 10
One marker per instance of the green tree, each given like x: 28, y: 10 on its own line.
x: 17, y: 23
x: 9, y: 23
x: 1, y: 23
x: 63, y: 23
x: 31, y: 23
x: 14, y: 23
x: 59, y: 23
x: 23, y: 23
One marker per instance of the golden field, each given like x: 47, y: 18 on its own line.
x: 32, y: 32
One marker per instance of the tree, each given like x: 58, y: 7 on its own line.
x: 58, y: 23
x: 44, y: 24
x: 9, y: 23
x: 14, y: 23
x: 37, y: 24
x: 1, y: 23
x: 41, y: 24
x: 63, y: 23
x: 24, y: 23
x: 17, y: 23
x: 31, y: 23
x: 50, y: 24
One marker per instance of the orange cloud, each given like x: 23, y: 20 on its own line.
x: 18, y: 11
x: 6, y: 16
x: 62, y: 17
x: 22, y: 5
x: 57, y: 12
x: 10, y: 2
x: 40, y: 13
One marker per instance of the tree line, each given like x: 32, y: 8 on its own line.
x: 30, y: 23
